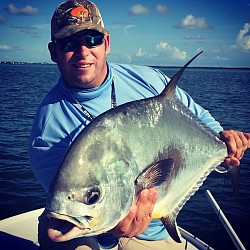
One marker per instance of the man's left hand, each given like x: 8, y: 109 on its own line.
x: 237, y: 143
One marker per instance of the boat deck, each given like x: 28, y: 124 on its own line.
x: 20, y: 232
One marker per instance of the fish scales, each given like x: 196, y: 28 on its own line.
x: 188, y: 142
x: 154, y: 142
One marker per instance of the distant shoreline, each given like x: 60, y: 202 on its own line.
x: 22, y: 63
x: 153, y: 66
x: 202, y: 67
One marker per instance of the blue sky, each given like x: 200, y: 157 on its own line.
x: 148, y: 32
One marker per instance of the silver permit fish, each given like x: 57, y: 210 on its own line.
x: 156, y: 142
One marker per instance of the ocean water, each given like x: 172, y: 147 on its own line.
x: 224, y: 92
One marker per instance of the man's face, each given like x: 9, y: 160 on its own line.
x: 83, y: 67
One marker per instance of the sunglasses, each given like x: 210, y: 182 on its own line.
x: 73, y: 43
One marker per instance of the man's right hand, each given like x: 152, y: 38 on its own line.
x: 139, y: 216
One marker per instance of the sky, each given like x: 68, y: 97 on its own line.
x: 148, y: 32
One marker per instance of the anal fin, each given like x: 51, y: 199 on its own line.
x: 171, y: 228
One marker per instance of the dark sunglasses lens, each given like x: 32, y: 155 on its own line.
x: 93, y: 40
x: 69, y: 44
x: 73, y: 43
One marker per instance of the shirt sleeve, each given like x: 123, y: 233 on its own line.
x: 45, y: 158
x: 48, y: 143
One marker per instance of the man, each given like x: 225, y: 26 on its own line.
x: 88, y: 86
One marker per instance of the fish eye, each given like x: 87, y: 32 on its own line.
x: 91, y: 195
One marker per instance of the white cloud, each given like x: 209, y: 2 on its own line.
x: 139, y: 9
x: 191, y: 22
x: 140, y: 53
x: 172, y: 51
x: 243, y: 38
x: 127, y: 27
x: 216, y: 50
x: 27, y: 10
x: 28, y: 30
x: 221, y: 58
x: 163, y: 9
x: 119, y: 58
x: 193, y: 37
x: 4, y: 47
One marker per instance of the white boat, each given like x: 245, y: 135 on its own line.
x: 20, y: 232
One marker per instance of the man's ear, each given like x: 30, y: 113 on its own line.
x: 107, y: 44
x: 52, y: 51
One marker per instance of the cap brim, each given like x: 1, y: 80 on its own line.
x: 72, y: 29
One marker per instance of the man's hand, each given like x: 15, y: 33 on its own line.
x: 139, y: 216
x: 237, y: 143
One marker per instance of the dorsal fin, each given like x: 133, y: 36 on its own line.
x: 169, y: 91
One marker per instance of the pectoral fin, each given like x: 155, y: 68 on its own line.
x: 171, y: 227
x: 155, y: 174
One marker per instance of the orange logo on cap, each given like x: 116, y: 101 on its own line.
x: 80, y: 12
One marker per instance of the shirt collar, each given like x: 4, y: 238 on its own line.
x: 90, y: 93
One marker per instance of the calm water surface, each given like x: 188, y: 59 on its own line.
x: 224, y: 92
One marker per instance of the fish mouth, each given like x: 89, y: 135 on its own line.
x: 63, y: 228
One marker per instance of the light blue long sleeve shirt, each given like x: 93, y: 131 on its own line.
x: 59, y: 120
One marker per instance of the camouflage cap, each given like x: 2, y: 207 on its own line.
x: 73, y: 16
